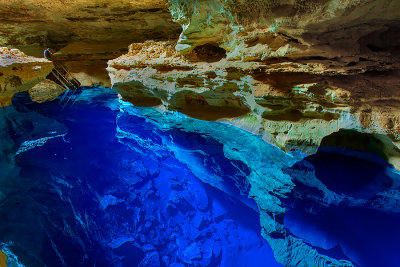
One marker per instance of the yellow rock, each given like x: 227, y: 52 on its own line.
x: 46, y: 90
x: 3, y: 259
x: 292, y: 105
x: 19, y: 72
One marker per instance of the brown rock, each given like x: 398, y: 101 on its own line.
x: 291, y: 71
x: 19, y: 72
x: 46, y: 90
x: 3, y: 259
x: 293, y: 105
x: 88, y: 33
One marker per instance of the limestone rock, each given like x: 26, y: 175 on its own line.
x: 191, y: 253
x: 36, y: 25
x: 19, y: 72
x: 46, y: 90
x: 267, y: 30
x: 3, y: 259
x: 292, y: 105
x: 290, y: 71
x: 293, y: 72
x: 86, y: 33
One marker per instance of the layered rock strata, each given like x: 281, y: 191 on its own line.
x: 34, y: 25
x: 86, y: 33
x: 19, y: 72
x: 291, y: 71
x: 292, y: 105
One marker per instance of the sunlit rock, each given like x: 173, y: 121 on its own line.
x: 292, y: 107
x: 46, y: 90
x: 86, y: 33
x: 19, y: 72
x: 273, y: 68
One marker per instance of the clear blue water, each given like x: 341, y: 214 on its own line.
x: 97, y: 182
x: 105, y: 189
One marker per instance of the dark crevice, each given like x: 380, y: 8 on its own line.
x: 209, y: 52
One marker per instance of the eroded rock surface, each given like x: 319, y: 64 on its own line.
x: 86, y: 33
x: 19, y: 72
x: 40, y: 24
x: 293, y: 105
x: 292, y: 72
x: 46, y: 90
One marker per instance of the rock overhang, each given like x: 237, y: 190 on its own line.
x: 292, y: 72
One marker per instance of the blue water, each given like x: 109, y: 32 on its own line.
x: 92, y: 185
x: 368, y: 237
x: 94, y: 181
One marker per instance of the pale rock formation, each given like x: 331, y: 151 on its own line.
x: 291, y: 71
x: 265, y: 30
x: 37, y: 24
x: 86, y: 33
x: 19, y: 72
x: 46, y: 90
x: 293, y: 105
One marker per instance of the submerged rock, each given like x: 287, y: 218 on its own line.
x: 283, y: 71
x: 201, y: 199
x: 292, y: 105
x: 292, y: 72
x: 180, y: 202
x: 191, y: 253
x: 151, y: 259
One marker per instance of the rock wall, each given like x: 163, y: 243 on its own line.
x: 34, y: 25
x: 86, y: 33
x: 292, y: 105
x: 269, y: 30
x: 19, y: 72
x: 291, y: 71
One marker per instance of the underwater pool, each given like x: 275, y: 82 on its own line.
x: 92, y: 185
x: 94, y: 181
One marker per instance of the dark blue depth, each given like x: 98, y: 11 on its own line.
x: 367, y: 237
x: 90, y: 198
x: 102, y: 183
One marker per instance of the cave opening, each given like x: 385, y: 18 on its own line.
x: 353, y: 163
x: 209, y: 52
